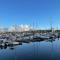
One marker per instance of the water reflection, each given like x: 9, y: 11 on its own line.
x: 37, y: 50
x: 12, y: 46
x: 1, y: 47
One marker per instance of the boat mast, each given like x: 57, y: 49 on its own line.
x: 51, y: 25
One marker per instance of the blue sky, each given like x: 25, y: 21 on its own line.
x: 42, y: 12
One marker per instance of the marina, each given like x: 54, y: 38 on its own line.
x: 31, y: 50
x: 29, y: 29
x: 15, y: 39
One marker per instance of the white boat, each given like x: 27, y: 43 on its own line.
x: 14, y: 43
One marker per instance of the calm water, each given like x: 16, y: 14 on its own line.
x: 44, y: 50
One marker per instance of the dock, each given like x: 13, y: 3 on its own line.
x: 25, y: 37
